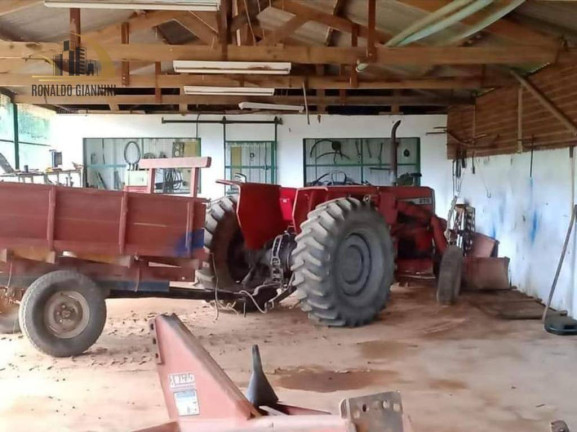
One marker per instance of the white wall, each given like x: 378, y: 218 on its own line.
x: 70, y: 130
x: 528, y: 215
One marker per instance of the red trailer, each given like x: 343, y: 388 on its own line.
x: 64, y: 250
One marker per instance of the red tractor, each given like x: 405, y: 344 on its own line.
x: 339, y: 247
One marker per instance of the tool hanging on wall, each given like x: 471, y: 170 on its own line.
x: 132, y: 159
x: 337, y: 150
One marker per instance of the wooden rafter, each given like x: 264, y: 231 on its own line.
x: 337, y: 11
x: 224, y: 30
x: 392, y: 56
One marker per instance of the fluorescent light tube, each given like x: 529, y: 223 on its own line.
x: 229, y: 67
x: 228, y: 91
x: 267, y: 106
x: 191, y: 5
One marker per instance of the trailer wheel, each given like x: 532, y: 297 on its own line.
x: 344, y: 263
x: 9, y: 311
x: 63, y: 313
x: 229, y: 261
x: 450, y: 276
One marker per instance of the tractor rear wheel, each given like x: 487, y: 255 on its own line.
x: 344, y: 263
x: 229, y: 262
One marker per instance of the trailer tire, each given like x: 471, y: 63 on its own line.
x: 63, y: 313
x: 450, y: 276
x: 344, y: 263
x: 227, y: 264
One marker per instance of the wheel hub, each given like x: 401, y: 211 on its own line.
x: 353, y: 264
x: 66, y: 314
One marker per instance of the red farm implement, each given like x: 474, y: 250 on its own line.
x: 64, y: 250
x: 200, y: 396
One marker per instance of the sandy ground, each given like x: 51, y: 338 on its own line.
x: 457, y: 369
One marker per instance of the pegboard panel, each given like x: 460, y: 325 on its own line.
x: 358, y: 160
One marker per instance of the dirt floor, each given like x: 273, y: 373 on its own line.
x: 457, y: 369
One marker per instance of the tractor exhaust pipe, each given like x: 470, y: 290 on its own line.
x: 394, y: 159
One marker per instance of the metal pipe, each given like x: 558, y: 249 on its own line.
x: 560, y: 264
x: 16, y: 136
x: 428, y: 20
x: 394, y: 158
x: 446, y: 22
x: 486, y: 22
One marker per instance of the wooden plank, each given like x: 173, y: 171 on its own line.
x: 284, y: 82
x: 392, y: 56
x: 234, y: 100
x: 125, y: 39
x: 281, y: 33
x: 371, y: 36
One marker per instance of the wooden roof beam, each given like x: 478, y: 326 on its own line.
x: 235, y: 100
x: 388, y: 56
x: 280, y: 82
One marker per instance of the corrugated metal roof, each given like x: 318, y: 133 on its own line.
x: 42, y: 24
x: 555, y: 18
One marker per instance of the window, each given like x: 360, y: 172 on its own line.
x: 251, y: 161
x: 107, y: 162
x: 34, y: 134
x: 360, y: 160
x: 7, y: 129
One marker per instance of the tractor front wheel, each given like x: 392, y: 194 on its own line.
x: 344, y: 263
